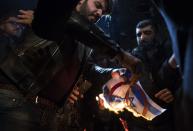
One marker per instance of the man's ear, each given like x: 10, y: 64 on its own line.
x: 81, y: 1
x: 79, y: 5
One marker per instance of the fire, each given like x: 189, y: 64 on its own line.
x: 118, y: 107
x: 118, y: 94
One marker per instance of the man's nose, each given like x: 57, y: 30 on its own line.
x: 99, y: 12
x: 142, y: 37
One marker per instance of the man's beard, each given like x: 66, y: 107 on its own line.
x: 149, y: 48
x: 147, y: 45
x: 84, y: 11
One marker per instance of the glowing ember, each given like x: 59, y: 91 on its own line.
x: 124, y: 123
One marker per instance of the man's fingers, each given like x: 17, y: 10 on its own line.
x: 71, y: 101
x: 27, y: 12
x: 24, y: 21
x: 23, y: 16
x: 76, y: 92
x: 23, y: 11
x: 131, y: 62
x: 165, y: 95
x: 168, y: 99
x: 161, y: 92
x: 101, y: 104
x: 74, y: 97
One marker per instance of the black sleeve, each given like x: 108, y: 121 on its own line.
x: 79, y: 28
x: 170, y: 77
x: 98, y: 75
x: 91, y: 35
x: 50, y: 17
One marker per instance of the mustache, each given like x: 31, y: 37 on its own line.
x: 96, y: 17
x: 145, y: 42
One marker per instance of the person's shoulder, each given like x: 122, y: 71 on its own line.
x: 135, y: 50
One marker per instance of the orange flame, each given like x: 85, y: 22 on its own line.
x: 118, y: 107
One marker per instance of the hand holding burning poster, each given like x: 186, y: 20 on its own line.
x: 118, y: 95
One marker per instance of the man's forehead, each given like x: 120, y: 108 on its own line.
x: 104, y: 2
x: 146, y: 28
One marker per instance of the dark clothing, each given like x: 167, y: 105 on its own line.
x: 55, y: 24
x: 70, y: 53
x: 17, y: 114
x: 157, y: 76
x: 73, y: 50
x: 9, y: 42
x: 180, y: 26
x: 74, y: 30
x: 47, y: 69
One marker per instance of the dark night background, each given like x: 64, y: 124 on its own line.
x: 125, y: 15
x: 121, y: 26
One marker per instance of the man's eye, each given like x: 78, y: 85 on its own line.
x: 147, y: 32
x: 98, y: 5
x: 138, y: 34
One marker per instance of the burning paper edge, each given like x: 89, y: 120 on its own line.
x: 121, y: 108
x: 107, y: 106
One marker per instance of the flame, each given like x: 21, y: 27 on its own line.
x: 119, y: 107
x: 124, y: 123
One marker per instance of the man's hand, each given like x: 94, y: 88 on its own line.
x: 101, y: 103
x: 74, y: 96
x: 172, y: 62
x: 165, y: 95
x: 25, y: 17
x: 132, y: 63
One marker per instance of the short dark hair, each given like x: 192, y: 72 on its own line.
x: 4, y: 20
x: 109, y: 6
x: 147, y: 22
